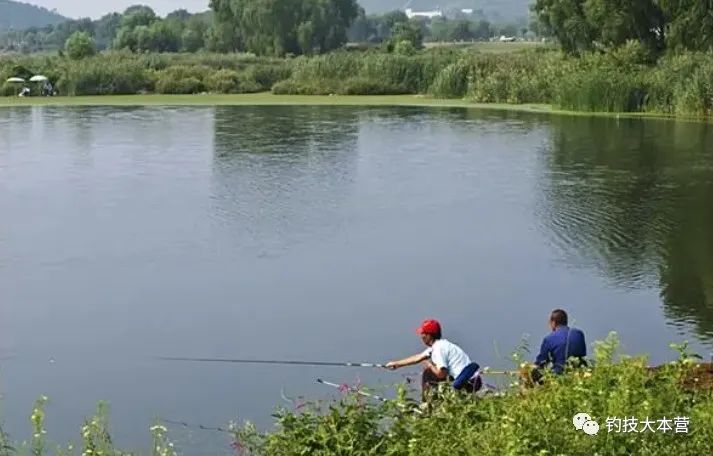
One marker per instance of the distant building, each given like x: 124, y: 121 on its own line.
x: 507, y: 39
x: 467, y: 11
x: 423, y: 14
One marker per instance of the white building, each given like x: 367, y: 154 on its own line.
x: 467, y: 11
x: 423, y: 14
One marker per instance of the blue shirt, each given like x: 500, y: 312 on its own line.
x: 560, y: 345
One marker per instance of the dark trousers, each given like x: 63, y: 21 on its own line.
x: 429, y: 380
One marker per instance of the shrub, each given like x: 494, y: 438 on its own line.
x: 80, y: 45
x: 9, y: 90
x: 535, y: 422
x: 292, y: 87
x: 184, y: 85
x: 363, y: 86
x: 100, y: 76
x: 228, y: 81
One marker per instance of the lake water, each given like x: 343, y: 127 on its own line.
x: 327, y: 233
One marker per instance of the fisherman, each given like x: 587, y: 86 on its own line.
x: 562, y: 344
x: 443, y: 361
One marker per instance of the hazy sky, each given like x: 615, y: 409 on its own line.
x: 96, y: 8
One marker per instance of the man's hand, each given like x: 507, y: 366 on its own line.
x: 392, y: 365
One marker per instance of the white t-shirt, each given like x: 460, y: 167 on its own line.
x: 449, y: 356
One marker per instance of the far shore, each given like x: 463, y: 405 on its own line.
x: 268, y: 99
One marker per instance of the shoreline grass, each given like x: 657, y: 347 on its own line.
x: 269, y: 99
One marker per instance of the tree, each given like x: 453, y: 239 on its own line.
x: 566, y: 20
x: 689, y: 24
x: 461, y: 31
x: 106, y: 28
x: 581, y: 25
x: 138, y: 15
x: 618, y: 21
x: 482, y: 30
x: 80, y: 45
x: 406, y: 32
x: 279, y: 27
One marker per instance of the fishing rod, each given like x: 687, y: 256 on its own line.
x: 352, y: 389
x: 264, y: 361
x: 362, y: 393
x: 488, y: 371
x: 195, y: 426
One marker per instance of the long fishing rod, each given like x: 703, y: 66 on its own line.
x: 264, y: 361
x: 195, y: 426
x: 361, y: 393
x: 352, y: 389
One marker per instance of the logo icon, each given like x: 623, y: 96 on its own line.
x: 584, y: 422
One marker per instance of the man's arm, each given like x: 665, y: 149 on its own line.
x: 440, y: 373
x: 544, y: 356
x: 410, y: 361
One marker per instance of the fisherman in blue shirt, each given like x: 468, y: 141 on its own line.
x: 559, y: 346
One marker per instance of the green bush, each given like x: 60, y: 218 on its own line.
x: 265, y: 76
x: 532, y: 422
x: 363, y: 86
x: 9, y: 90
x: 452, y: 81
x: 228, y: 81
x: 292, y: 87
x: 100, y: 76
x: 182, y: 86
x: 80, y: 45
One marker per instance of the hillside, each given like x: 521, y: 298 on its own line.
x: 16, y: 15
x: 506, y: 9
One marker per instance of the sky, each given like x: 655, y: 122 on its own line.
x: 97, y: 8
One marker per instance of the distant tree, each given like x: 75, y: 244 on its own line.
x: 482, y: 30
x: 566, y: 20
x: 689, y: 24
x: 581, y: 25
x: 278, y: 27
x: 106, y: 28
x: 79, y: 46
x: 179, y: 15
x: 461, y: 31
x: 406, y: 32
x: 194, y: 33
x: 135, y: 16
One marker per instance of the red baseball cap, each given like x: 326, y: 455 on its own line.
x: 429, y: 327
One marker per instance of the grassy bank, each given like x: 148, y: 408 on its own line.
x: 270, y: 99
x: 255, y: 99
x: 624, y: 80
x: 675, y: 399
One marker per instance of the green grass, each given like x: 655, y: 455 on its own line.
x: 494, y: 47
x: 269, y: 99
x: 260, y: 99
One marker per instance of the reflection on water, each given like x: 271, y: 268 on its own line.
x: 326, y: 233
x: 632, y: 199
x: 282, y: 175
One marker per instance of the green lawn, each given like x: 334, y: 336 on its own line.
x: 494, y: 47
x: 268, y: 99
x: 255, y: 99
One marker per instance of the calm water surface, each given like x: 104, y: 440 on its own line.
x: 327, y: 233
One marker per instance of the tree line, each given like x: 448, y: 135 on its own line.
x: 585, y: 25
x: 263, y: 27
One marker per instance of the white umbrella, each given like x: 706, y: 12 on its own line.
x: 38, y: 78
x: 16, y: 80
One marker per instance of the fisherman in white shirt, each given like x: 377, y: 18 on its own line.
x: 443, y: 361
